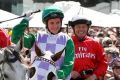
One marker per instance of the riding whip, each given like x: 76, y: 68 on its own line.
x: 20, y: 16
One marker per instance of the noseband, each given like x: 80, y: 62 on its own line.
x: 46, y: 60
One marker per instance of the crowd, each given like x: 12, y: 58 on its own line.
x: 91, y: 53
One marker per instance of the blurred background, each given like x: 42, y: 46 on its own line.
x: 20, y: 6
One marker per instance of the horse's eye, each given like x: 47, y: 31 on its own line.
x: 5, y: 75
x: 11, y: 56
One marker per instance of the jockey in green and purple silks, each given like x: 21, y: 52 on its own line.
x: 52, y: 40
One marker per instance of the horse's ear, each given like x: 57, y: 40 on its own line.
x: 38, y: 51
x: 32, y: 71
x: 56, y: 56
x: 19, y: 45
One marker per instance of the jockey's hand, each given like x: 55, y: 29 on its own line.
x: 28, y: 16
x: 92, y: 77
x: 74, y: 74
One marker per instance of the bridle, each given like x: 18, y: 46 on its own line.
x: 44, y: 59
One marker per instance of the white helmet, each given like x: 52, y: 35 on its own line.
x: 79, y: 20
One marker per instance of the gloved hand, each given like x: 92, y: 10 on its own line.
x: 92, y: 77
x: 75, y: 74
x: 28, y: 16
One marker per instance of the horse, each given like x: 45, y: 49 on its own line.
x: 43, y: 66
x: 13, y: 66
x: 11, y: 63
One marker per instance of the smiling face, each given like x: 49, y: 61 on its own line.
x: 81, y: 30
x: 54, y: 25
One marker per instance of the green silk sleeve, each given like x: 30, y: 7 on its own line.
x: 18, y: 32
x: 67, y: 66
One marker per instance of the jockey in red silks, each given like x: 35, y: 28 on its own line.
x: 4, y: 38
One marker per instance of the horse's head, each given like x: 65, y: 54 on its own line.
x: 11, y: 67
x: 43, y: 67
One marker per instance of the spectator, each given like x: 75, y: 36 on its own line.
x: 107, y: 42
x: 4, y: 38
x: 90, y: 62
x: 115, y: 64
x: 99, y: 37
x: 111, y: 54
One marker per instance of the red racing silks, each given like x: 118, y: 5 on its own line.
x: 4, y: 38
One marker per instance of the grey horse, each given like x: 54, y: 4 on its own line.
x: 11, y: 63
